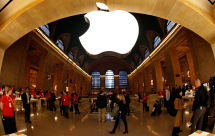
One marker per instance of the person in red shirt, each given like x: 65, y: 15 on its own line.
x: 7, y: 106
x: 160, y: 93
x: 144, y: 99
x: 75, y: 99
x: 35, y: 97
x: 65, y: 102
x: 48, y: 96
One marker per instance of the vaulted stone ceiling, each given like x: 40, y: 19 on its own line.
x: 71, y: 28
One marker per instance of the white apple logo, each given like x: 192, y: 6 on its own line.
x: 115, y: 31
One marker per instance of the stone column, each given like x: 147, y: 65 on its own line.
x: 147, y: 79
x: 71, y: 78
x: 77, y: 82
x: 140, y: 79
x: 61, y: 77
x: 202, y: 55
x: 83, y: 86
x: 158, y: 72
x: 135, y: 91
x: 173, y: 68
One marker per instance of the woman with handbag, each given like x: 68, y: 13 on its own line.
x: 122, y: 110
x: 7, y: 106
x: 178, y: 119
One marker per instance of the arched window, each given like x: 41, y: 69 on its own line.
x: 109, y: 79
x: 60, y: 44
x: 146, y: 53
x: 83, y: 67
x: 71, y: 55
x: 157, y: 40
x: 45, y: 29
x: 169, y: 25
x: 78, y: 62
x: 123, y: 79
x: 140, y: 60
x: 95, y: 80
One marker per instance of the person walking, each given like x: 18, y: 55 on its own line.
x: 127, y: 100
x: 113, y: 99
x: 179, y: 106
x: 201, y: 99
x: 48, y: 96
x: 52, y: 101
x: 145, y: 99
x: 101, y: 104
x: 75, y: 101
x: 7, y: 106
x: 26, y: 97
x: 122, y: 110
x: 65, y: 103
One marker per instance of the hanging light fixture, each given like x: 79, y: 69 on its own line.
x: 211, y: 1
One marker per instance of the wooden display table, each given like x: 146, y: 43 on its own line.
x: 201, y: 133
x: 19, y: 101
x: 16, y: 134
x: 189, y: 98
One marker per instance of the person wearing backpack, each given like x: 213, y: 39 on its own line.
x: 179, y: 106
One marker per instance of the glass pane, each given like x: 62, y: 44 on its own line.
x: 45, y: 29
x: 146, y: 53
x: 95, y: 80
x: 156, y: 41
x: 123, y: 79
x: 78, y: 62
x: 109, y: 79
x: 169, y: 25
x: 71, y: 55
x: 60, y: 44
x: 140, y: 61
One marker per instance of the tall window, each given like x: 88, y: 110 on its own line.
x: 71, y: 55
x: 157, y: 40
x: 146, y: 53
x: 140, y: 60
x: 95, y: 79
x: 60, y: 44
x: 45, y: 29
x: 123, y: 79
x: 169, y: 25
x: 83, y: 67
x: 78, y: 62
x: 109, y: 79
x: 135, y: 66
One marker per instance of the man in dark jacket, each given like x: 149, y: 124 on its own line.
x: 52, y: 101
x: 127, y: 100
x: 26, y: 97
x: 200, y: 106
x: 101, y: 104
x: 113, y: 99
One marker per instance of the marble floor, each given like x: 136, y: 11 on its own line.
x: 45, y: 123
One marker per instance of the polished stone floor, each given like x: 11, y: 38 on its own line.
x: 45, y: 123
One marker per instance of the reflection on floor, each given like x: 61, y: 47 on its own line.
x: 45, y: 123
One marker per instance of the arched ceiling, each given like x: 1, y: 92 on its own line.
x: 76, y: 26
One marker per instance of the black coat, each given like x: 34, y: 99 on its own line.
x: 113, y: 98
x: 25, y: 99
x: 101, y: 101
x: 53, y: 98
x: 201, y: 97
x: 122, y: 107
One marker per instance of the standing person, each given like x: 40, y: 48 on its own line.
x: 113, y: 99
x: 164, y: 97
x: 122, y: 109
x: 183, y: 90
x: 127, y: 100
x: 200, y: 106
x: 160, y: 93
x: 212, y: 95
x: 72, y: 102
x: 52, y: 101
x: 48, y: 96
x: 145, y: 98
x: 139, y: 97
x: 7, y: 106
x: 101, y: 104
x: 35, y: 97
x: 65, y: 103
x: 26, y: 97
x: 61, y: 106
x: 75, y: 99
x: 178, y: 119
x: 167, y: 96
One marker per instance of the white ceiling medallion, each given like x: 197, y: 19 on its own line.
x: 115, y: 31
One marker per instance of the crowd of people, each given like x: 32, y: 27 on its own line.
x: 119, y: 106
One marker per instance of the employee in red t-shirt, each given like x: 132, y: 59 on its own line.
x: 7, y: 106
x: 48, y: 96
x: 144, y: 99
x: 75, y: 100
x: 160, y: 93
x: 35, y: 97
x: 65, y: 102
